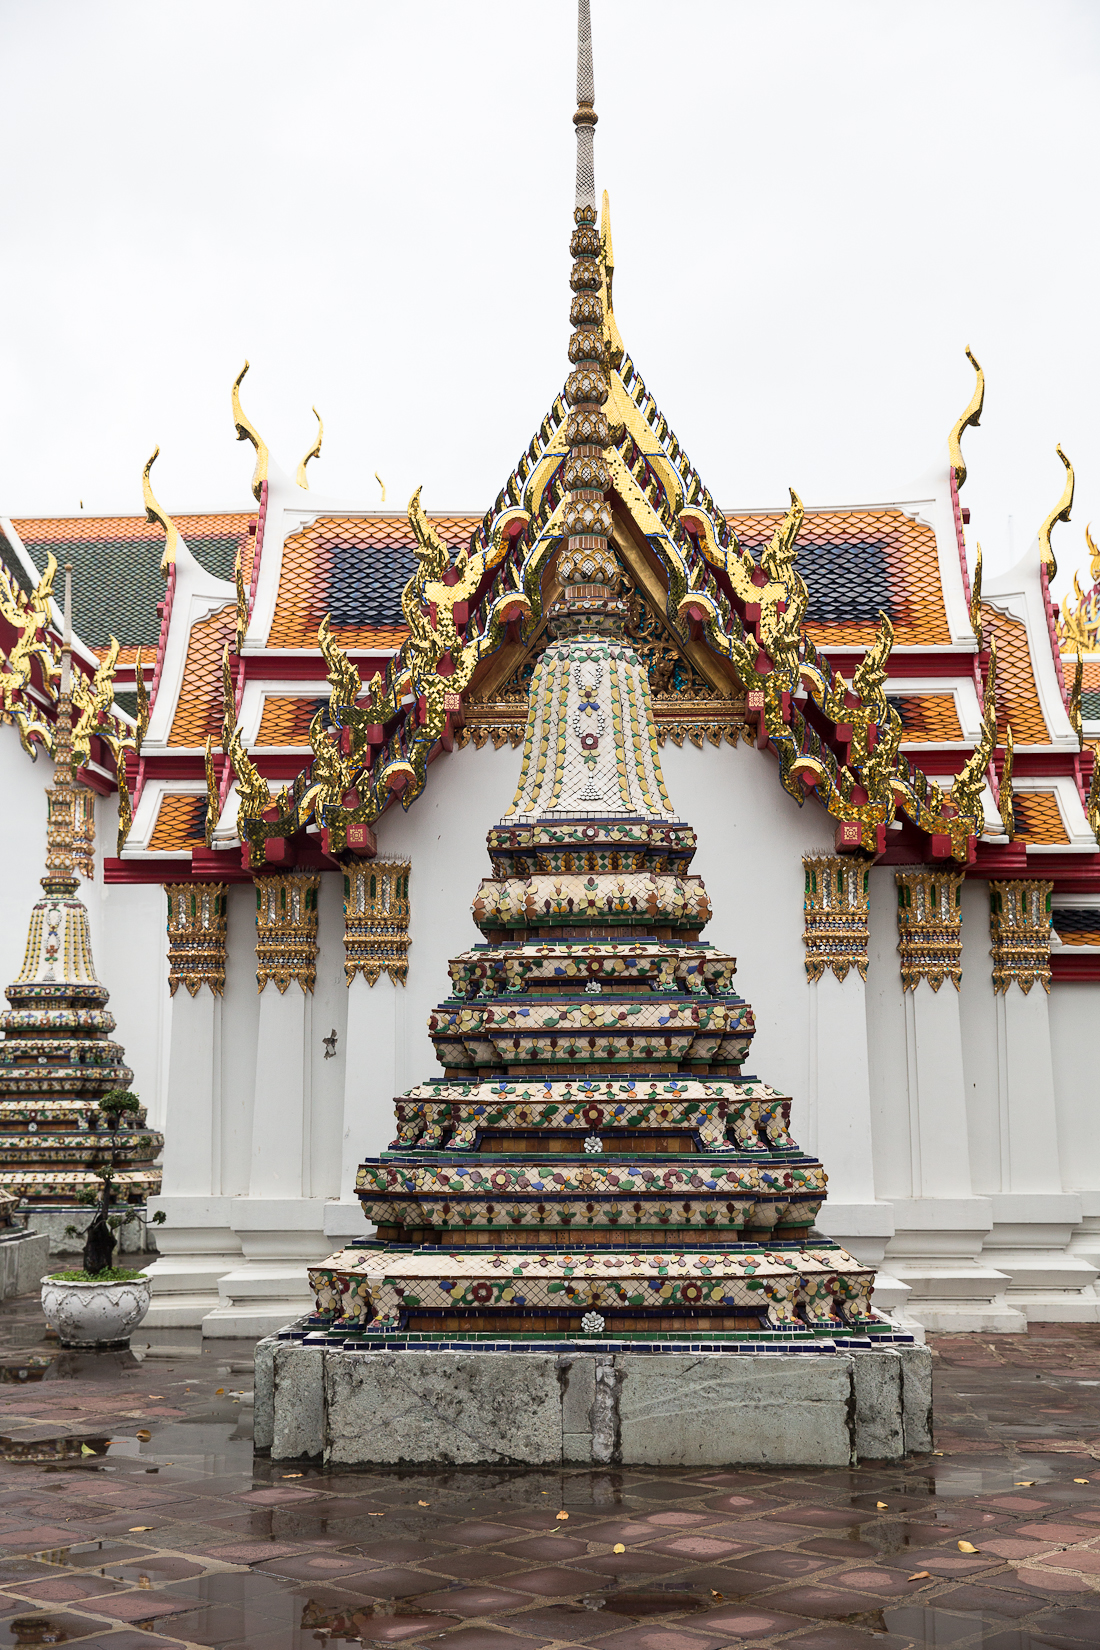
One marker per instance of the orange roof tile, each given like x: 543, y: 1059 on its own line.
x: 117, y: 581
x: 199, y: 706
x: 285, y: 721
x: 927, y: 717
x: 856, y: 562
x: 1077, y: 924
x: 355, y: 569
x: 1017, y: 699
x: 180, y: 824
x: 1038, y: 817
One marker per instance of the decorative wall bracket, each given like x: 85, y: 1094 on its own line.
x: 836, y: 915
x: 376, y: 920
x: 1019, y: 926
x: 286, y: 930
x: 930, y: 927
x: 198, y: 923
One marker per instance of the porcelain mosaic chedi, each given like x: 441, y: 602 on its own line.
x: 594, y: 1160
x: 57, y: 1057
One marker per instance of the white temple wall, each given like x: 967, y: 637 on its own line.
x: 330, y: 1013
x: 886, y: 1043
x: 752, y: 836
x: 1074, y: 1018
x: 240, y: 1023
x: 979, y: 1022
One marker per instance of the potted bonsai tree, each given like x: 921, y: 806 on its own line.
x: 100, y: 1305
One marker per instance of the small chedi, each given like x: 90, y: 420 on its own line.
x: 594, y: 1162
x: 60, y: 1072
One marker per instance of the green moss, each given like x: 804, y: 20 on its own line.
x: 113, y: 1274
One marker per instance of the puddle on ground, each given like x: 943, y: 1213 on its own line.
x: 654, y: 1601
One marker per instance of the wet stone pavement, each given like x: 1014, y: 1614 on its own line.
x: 133, y: 1514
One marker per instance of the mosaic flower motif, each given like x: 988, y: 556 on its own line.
x: 592, y: 1323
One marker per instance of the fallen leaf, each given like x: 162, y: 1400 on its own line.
x: 156, y: 1394
x: 219, y: 1392
x: 376, y: 1515
x: 143, y: 1581
x: 423, y: 1503
x: 1080, y: 1480
x: 136, y: 1529
x: 1022, y: 1483
x: 966, y: 1547
x: 718, y: 1596
x: 880, y: 1505
x: 563, y: 1515
x: 618, y: 1547
x: 937, y: 1452
x: 921, y: 1575
x: 144, y: 1434
x: 292, y: 1475
x: 84, y: 1450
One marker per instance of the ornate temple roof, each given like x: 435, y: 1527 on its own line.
x: 846, y: 641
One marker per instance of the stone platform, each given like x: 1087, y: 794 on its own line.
x: 24, y: 1258
x: 821, y: 1406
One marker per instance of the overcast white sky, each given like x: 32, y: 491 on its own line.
x: 815, y: 207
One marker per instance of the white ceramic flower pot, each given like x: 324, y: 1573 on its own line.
x: 95, y: 1314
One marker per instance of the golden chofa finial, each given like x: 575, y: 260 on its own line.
x: 154, y: 514
x: 971, y: 415
x: 381, y: 484
x: 247, y: 431
x: 1094, y: 565
x: 314, y: 451
x: 611, y: 337
x: 1059, y: 513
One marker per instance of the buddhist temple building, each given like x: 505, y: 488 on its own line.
x: 814, y: 729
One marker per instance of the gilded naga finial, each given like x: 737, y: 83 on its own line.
x: 972, y: 414
x: 155, y: 515
x: 247, y: 431
x: 976, y: 597
x: 1094, y: 564
x: 381, y: 484
x: 1059, y: 513
x: 314, y: 451
x: 1073, y: 709
x: 1008, y: 818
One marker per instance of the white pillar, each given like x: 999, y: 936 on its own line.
x: 1034, y: 1218
x: 280, y: 1224
x: 376, y: 921
x: 838, y: 1086
x: 196, y: 1242
x: 941, y: 1227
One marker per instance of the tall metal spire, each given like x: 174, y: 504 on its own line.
x: 585, y: 118
x: 586, y: 564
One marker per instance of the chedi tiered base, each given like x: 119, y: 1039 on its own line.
x: 594, y: 1163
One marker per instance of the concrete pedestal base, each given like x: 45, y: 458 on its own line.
x: 535, y: 1408
x: 24, y: 1261
x: 65, y: 1229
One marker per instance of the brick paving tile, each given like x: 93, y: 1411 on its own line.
x: 485, y: 1638
x: 750, y: 1622
x: 827, y: 1601
x: 1051, y: 1530
x: 1054, y: 1581
x: 779, y: 1563
x: 553, y: 1581
x: 1084, y: 1559
x: 471, y: 1601
x: 834, y: 1547
x: 129, y: 1641
x: 473, y: 1566
x: 473, y: 1534
x: 66, y: 1589
x: 547, y: 1546
x: 393, y: 1583
x: 677, y: 1520
x: 699, y: 1546
x: 314, y: 1566
x: 659, y: 1638
x: 645, y: 1563
x: 392, y: 1629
